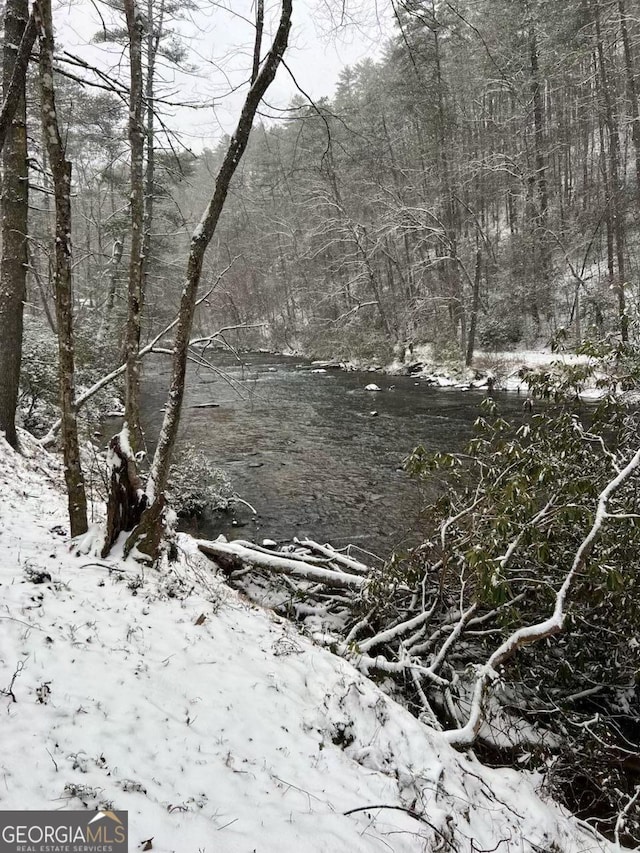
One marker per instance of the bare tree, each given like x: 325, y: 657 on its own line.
x: 61, y: 171
x: 146, y: 535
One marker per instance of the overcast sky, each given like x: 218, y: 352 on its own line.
x: 326, y: 36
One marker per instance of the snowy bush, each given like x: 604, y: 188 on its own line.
x: 513, y: 512
x: 196, y: 485
x: 500, y: 333
x: 38, y: 400
x: 38, y: 376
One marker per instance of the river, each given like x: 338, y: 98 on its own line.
x: 305, y: 449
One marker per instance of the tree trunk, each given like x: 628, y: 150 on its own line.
x: 632, y: 90
x: 153, y: 40
x: 13, y: 86
x: 201, y: 238
x: 543, y: 297
x: 61, y: 171
x: 13, y: 266
x: 106, y: 323
x: 617, y: 195
x: 124, y: 506
x: 454, y: 283
x: 136, y: 262
x: 475, y: 305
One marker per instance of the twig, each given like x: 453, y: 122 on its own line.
x: 22, y: 622
x: 246, y: 503
x: 103, y: 566
x: 410, y: 812
x: 55, y: 764
x: 9, y: 690
x: 224, y: 826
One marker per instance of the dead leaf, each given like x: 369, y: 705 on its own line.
x: 147, y: 845
x: 201, y: 618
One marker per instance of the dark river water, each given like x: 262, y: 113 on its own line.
x: 306, y: 451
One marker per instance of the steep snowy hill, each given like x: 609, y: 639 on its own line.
x: 213, y: 722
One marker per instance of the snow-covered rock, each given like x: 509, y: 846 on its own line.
x: 373, y: 387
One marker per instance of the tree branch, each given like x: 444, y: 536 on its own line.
x: 466, y: 735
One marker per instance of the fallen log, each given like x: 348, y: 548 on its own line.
x: 232, y: 556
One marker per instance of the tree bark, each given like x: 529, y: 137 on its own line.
x: 454, y: 283
x: 61, y: 171
x: 153, y: 40
x: 543, y: 297
x: 14, y: 86
x: 14, y: 203
x: 475, y: 305
x: 632, y: 89
x: 124, y: 506
x: 136, y: 262
x: 106, y: 323
x: 258, y: 39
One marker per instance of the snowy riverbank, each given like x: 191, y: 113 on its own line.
x: 500, y: 371
x: 212, y: 721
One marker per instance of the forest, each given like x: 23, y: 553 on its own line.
x: 474, y: 188
x: 471, y: 189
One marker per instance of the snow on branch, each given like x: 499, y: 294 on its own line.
x: 465, y: 735
x: 398, y: 630
x: 336, y: 556
x: 208, y: 339
x: 242, y: 555
x: 48, y: 439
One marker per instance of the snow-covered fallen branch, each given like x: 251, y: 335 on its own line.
x: 235, y: 555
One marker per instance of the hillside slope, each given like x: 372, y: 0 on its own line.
x: 224, y: 733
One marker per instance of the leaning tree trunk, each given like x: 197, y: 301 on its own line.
x: 61, y: 171
x: 145, y: 537
x: 15, y: 200
x: 136, y: 263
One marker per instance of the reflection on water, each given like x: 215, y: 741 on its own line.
x: 306, y: 449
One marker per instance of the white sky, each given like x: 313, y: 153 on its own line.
x: 326, y: 36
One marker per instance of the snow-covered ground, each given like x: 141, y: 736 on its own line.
x: 212, y: 721
x: 500, y: 370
